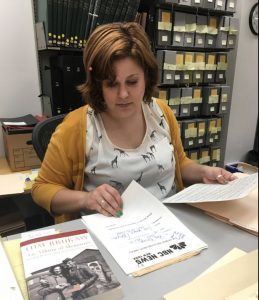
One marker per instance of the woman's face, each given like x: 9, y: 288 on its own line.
x: 57, y: 270
x: 124, y: 96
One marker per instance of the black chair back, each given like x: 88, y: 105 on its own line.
x: 42, y: 133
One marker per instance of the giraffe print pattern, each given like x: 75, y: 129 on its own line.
x: 151, y: 164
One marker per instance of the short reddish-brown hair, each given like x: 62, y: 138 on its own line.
x: 111, y: 42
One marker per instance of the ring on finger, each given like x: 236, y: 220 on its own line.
x: 103, y: 202
x: 219, y: 176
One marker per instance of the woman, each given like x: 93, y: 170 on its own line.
x: 120, y: 135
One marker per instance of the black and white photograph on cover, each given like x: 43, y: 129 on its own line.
x: 84, y: 276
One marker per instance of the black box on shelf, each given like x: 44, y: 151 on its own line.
x: 201, y: 132
x: 196, y: 102
x: 211, y: 131
x: 231, y: 5
x: 164, y: 27
x: 224, y: 99
x: 197, y: 3
x: 204, y: 156
x: 210, y: 101
x: 186, y: 100
x: 175, y: 100
x: 210, y: 4
x: 189, y: 133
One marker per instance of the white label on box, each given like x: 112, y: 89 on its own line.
x: 223, y: 108
x: 197, y: 1
x: 189, y: 40
x: 231, y: 42
x: 178, y: 38
x: 177, y: 77
x: 185, y: 110
x: 168, y: 76
x: 224, y: 42
x: 196, y: 108
x: 211, y: 140
x: 186, y: 76
x: 164, y: 38
x: 210, y: 42
x: 212, y: 108
x: 232, y: 4
x: 210, y: 1
x: 198, y: 76
x: 200, y: 141
x: 210, y: 76
x: 200, y: 41
x: 220, y: 3
x: 221, y: 76
x: 190, y: 143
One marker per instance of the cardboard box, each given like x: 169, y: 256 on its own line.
x: 19, y: 151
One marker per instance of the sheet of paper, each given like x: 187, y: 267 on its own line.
x: 9, y: 287
x: 147, y: 233
x: 249, y: 293
x: 235, y: 189
x: 230, y: 256
x: 25, y: 236
x: 12, y: 184
x: 230, y: 278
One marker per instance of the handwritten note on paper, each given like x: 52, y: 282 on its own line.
x: 236, y: 189
x: 147, y: 233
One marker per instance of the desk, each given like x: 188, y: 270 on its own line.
x: 220, y: 237
x: 22, y: 211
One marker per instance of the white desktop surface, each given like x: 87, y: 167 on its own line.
x: 220, y: 237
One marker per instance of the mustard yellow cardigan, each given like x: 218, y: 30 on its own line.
x: 65, y: 159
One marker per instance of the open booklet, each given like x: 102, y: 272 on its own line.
x: 148, y: 236
x: 201, y: 192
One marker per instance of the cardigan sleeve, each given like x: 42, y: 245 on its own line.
x: 63, y: 164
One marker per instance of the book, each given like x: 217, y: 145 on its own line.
x: 68, y: 265
x: 148, y: 234
x: 9, y: 286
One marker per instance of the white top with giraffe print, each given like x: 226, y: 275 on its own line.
x: 152, y: 164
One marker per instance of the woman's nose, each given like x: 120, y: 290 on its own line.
x: 123, y: 92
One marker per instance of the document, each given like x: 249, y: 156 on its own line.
x: 147, y: 236
x: 12, y: 184
x: 201, y: 192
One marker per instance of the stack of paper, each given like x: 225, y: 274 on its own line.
x: 240, y: 207
x: 234, y: 277
x: 148, y: 235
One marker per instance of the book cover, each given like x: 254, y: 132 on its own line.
x: 67, y: 265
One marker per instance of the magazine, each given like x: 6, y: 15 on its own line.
x: 67, y: 265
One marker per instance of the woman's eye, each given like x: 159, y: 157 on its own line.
x: 132, y: 82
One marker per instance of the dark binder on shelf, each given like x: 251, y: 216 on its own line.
x: 68, y: 22
x: 79, y: 15
x: 95, y: 15
x: 57, y: 104
x: 73, y: 22
x: 64, y: 21
x: 118, y: 12
x: 132, y: 10
x: 109, y: 10
x: 103, y: 6
x: 59, y: 21
x: 85, y: 9
x: 89, y: 19
x: 55, y: 21
x: 45, y: 15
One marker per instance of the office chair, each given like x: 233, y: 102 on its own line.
x: 42, y: 132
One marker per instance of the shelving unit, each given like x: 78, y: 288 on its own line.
x: 164, y: 22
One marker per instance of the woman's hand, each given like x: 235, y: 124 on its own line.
x: 217, y: 175
x: 104, y: 199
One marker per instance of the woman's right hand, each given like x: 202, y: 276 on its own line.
x: 106, y: 200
